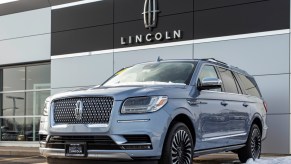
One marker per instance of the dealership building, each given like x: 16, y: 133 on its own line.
x: 51, y: 46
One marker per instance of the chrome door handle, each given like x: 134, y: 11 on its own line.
x: 224, y: 103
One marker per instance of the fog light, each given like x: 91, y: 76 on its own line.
x: 136, y: 147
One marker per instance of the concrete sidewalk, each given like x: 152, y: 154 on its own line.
x: 19, y: 151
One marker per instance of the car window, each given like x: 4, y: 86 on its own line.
x: 228, y: 80
x: 163, y: 73
x: 208, y: 71
x: 238, y: 85
x: 250, y: 86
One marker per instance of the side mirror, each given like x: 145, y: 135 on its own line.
x: 210, y: 83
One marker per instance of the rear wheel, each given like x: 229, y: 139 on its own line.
x: 253, y: 145
x: 178, y: 146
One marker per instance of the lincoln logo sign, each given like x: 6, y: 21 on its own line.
x: 150, y: 15
x: 79, y: 110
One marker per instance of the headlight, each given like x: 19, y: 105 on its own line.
x: 45, y: 108
x: 143, y: 104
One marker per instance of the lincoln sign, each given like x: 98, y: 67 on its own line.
x: 150, y: 21
x: 150, y: 37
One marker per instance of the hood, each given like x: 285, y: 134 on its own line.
x: 120, y: 93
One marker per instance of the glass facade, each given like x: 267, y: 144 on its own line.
x: 23, y: 91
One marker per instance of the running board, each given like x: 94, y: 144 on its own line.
x: 216, y: 150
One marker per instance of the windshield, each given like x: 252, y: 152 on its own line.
x: 165, y: 73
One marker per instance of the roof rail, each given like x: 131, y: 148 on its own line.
x: 223, y: 63
x: 238, y: 70
x: 214, y: 60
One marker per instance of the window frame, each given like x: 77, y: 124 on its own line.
x: 239, y: 86
x: 243, y: 86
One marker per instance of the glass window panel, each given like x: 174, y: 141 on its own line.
x: 35, y: 102
x: 19, y: 129
x: 228, y: 81
x: 38, y: 77
x: 13, y: 104
x: 250, y: 86
x: 14, y: 79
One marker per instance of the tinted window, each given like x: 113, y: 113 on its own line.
x: 228, y: 81
x: 250, y: 86
x: 208, y: 71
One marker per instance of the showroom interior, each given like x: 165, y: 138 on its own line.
x: 51, y: 46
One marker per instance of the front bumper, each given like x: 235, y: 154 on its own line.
x: 154, y: 125
x: 264, y: 133
x: 92, y: 154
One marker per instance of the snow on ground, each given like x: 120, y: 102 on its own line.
x: 271, y: 160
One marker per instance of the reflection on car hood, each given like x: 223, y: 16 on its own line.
x: 145, y: 83
x: 123, y: 92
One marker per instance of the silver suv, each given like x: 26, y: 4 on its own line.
x: 170, y: 111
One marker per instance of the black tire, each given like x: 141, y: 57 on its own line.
x: 253, y: 145
x: 178, y: 146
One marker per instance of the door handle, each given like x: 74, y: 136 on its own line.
x: 224, y: 103
x: 245, y: 104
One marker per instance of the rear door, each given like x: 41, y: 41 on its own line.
x: 237, y: 106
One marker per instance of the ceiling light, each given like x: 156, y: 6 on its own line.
x: 7, y: 1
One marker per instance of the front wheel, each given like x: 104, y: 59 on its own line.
x: 178, y: 146
x: 253, y: 145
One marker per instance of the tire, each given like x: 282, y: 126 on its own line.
x: 253, y: 145
x: 178, y: 146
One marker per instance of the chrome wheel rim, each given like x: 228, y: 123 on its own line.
x: 256, y: 144
x: 181, y: 148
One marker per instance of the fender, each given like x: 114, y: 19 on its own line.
x: 176, y: 112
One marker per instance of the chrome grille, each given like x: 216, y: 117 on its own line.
x: 96, y: 110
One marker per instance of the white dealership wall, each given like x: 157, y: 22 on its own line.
x: 25, y: 37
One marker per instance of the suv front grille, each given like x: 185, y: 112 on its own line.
x: 94, y: 110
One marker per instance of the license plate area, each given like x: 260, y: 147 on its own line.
x: 76, y: 149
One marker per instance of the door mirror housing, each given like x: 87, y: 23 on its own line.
x: 210, y: 83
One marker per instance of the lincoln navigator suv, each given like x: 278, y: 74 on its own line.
x: 168, y: 110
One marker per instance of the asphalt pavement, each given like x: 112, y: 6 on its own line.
x: 22, y: 160
x: 22, y: 155
x: 225, y: 158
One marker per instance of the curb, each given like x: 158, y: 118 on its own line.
x: 18, y: 152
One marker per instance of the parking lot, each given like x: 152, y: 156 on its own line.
x: 220, y: 158
x: 209, y: 159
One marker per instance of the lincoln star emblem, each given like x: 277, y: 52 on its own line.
x: 150, y: 14
x: 79, y: 110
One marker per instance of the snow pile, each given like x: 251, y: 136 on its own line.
x: 271, y: 160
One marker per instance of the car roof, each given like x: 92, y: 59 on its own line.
x: 225, y: 65
x: 206, y: 60
x: 203, y: 60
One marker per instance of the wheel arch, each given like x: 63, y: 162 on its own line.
x: 257, y: 119
x: 183, y: 118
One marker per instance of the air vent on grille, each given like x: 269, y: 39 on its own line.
x: 93, y: 142
x: 91, y: 110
